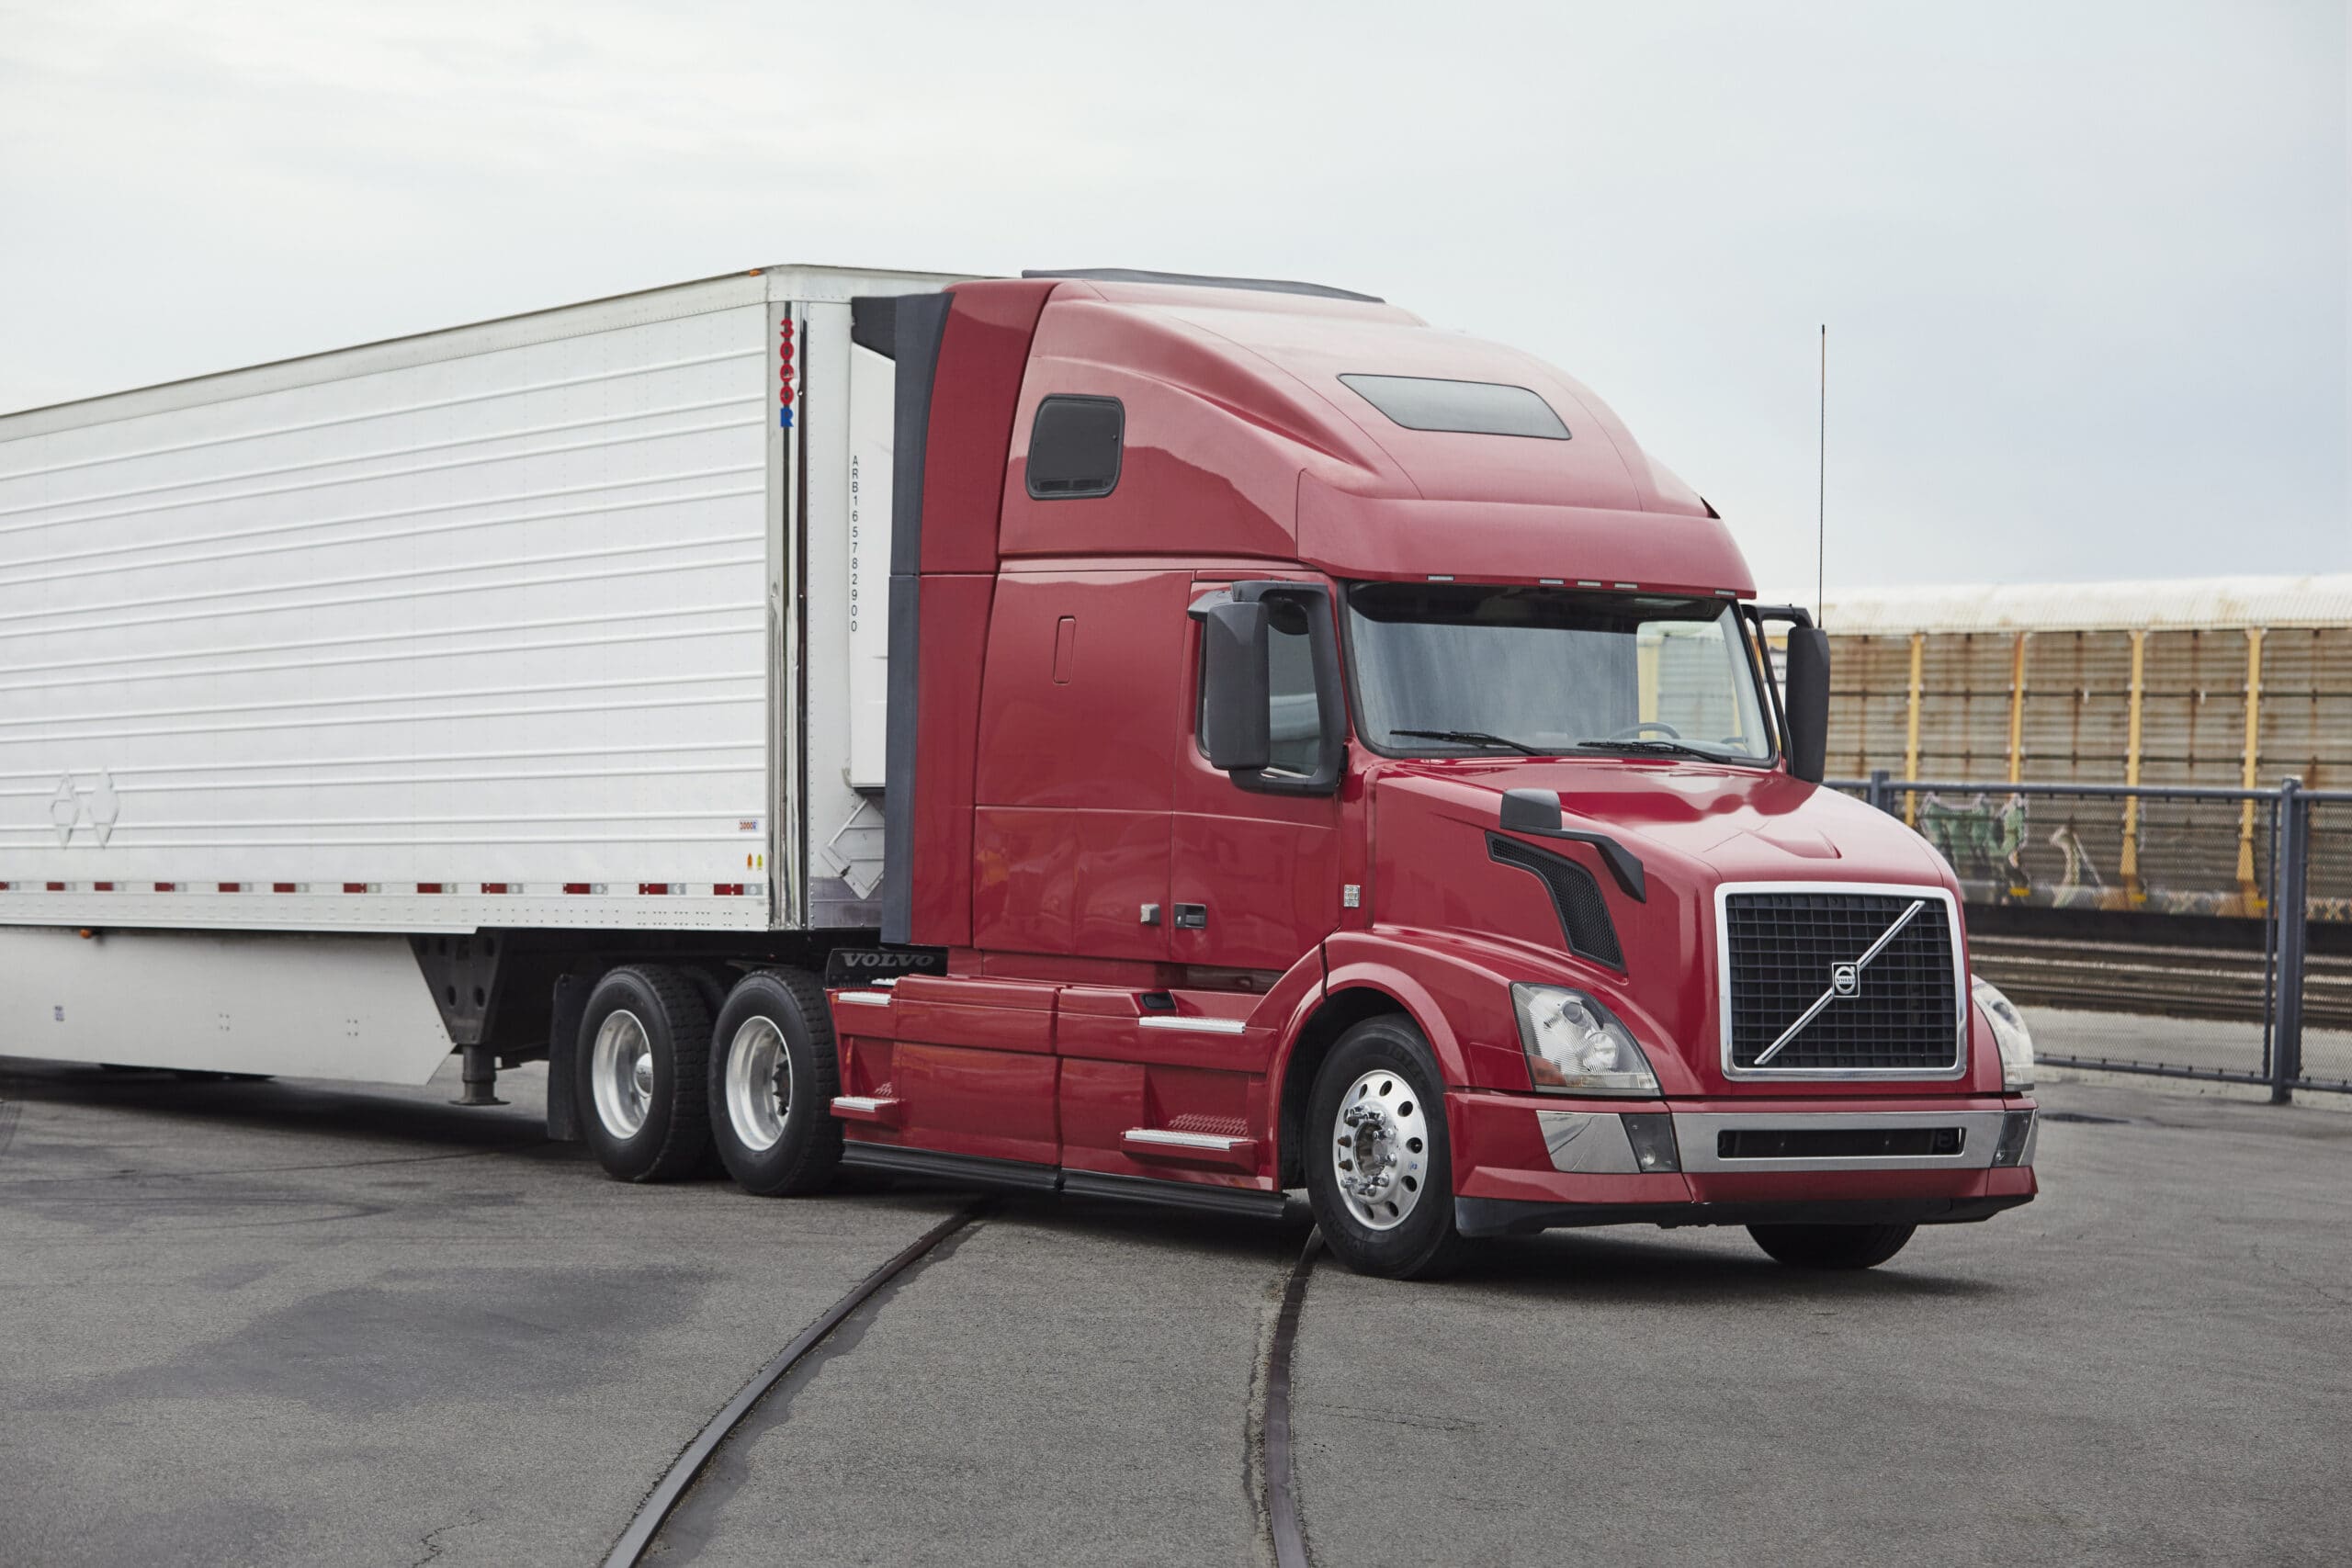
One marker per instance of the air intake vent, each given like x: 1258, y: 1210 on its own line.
x: 1576, y: 899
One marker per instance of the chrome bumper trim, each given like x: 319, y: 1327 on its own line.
x: 1695, y: 1131
x: 1588, y: 1143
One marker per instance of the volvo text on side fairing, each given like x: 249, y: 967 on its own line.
x: 1186, y: 739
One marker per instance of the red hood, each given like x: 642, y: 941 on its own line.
x: 1692, y: 826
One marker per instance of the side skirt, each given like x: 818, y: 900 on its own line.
x: 974, y: 1171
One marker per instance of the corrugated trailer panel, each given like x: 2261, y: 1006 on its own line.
x: 1965, y: 734
x: 2193, y: 715
x: 471, y: 630
x: 2076, y: 715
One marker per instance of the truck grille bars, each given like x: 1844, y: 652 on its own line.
x: 1841, y: 983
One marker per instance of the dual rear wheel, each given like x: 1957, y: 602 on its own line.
x: 662, y: 1085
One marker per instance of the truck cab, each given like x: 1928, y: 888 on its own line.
x: 1327, y: 751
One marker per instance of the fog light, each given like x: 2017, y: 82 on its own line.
x: 2016, y: 1134
x: 1652, y: 1134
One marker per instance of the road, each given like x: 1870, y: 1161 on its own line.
x: 296, y: 1322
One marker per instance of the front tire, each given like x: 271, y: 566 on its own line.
x: 638, y: 1074
x: 1379, y: 1172
x: 774, y: 1072
x: 1831, y: 1247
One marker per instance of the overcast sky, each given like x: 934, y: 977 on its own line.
x: 2085, y: 266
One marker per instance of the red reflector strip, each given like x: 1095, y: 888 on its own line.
x: 650, y: 887
x: 727, y: 889
x: 101, y: 886
x: 3, y: 887
x: 57, y: 888
x: 493, y: 887
x: 232, y: 887
x: 428, y: 887
x: 281, y: 887
x: 355, y: 888
x: 575, y: 888
x: 167, y: 887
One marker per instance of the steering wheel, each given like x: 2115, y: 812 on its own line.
x: 1634, y: 731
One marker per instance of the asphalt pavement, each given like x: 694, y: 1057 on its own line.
x: 279, y: 1322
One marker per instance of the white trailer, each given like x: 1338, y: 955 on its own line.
x: 315, y: 675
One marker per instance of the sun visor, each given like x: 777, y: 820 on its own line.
x: 1354, y: 536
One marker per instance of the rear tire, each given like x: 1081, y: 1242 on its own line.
x: 774, y: 1072
x: 1831, y: 1247
x: 1397, y: 1219
x: 638, y: 1074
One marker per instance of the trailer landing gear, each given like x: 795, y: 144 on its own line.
x: 480, y: 1076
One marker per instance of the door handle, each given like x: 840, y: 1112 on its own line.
x: 1191, y: 916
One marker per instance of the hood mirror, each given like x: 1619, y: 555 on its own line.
x: 1530, y: 811
x: 1537, y: 811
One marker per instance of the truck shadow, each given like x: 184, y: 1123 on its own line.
x: 414, y: 1116
x: 1586, y: 1268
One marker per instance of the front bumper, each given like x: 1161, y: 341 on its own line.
x: 1524, y: 1163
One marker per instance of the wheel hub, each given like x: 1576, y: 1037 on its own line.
x: 1380, y: 1149
x: 758, y: 1083
x: 621, y: 1073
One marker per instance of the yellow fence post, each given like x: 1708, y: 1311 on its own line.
x: 1911, y: 732
x: 2133, y: 893
x: 2248, y: 888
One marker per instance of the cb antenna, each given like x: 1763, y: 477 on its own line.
x: 1821, y: 491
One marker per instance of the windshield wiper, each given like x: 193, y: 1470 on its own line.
x: 1473, y: 737
x: 1654, y: 749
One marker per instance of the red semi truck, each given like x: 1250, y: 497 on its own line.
x: 1319, y: 751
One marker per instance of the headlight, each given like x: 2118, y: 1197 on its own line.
x: 2009, y: 1034
x: 1577, y: 1046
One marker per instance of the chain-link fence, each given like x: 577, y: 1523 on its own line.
x: 2162, y: 930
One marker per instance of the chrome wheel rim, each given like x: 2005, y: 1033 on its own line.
x: 1380, y: 1143
x: 621, y: 1073
x: 759, y: 1084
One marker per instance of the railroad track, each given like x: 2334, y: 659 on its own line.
x: 2180, y: 982
x: 1279, y: 1500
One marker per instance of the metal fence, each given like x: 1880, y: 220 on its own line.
x: 2191, y: 904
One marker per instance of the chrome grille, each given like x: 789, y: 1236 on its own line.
x: 1781, y: 950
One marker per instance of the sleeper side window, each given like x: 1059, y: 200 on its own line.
x: 1075, y: 446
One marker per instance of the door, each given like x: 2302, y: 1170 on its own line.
x: 1254, y: 872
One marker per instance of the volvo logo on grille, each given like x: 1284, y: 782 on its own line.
x: 1845, y: 980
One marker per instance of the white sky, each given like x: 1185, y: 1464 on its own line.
x: 2085, y: 266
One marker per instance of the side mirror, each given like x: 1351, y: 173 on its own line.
x: 1236, y: 707
x: 1807, y: 701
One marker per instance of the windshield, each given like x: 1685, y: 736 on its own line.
x: 1447, y: 668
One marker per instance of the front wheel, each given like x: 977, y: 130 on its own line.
x: 1378, y: 1170
x: 1831, y: 1247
